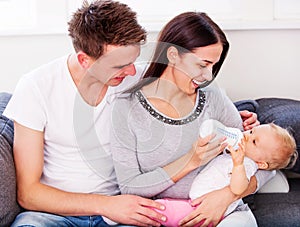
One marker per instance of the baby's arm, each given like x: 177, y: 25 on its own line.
x: 239, y: 181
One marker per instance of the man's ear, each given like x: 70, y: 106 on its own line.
x: 172, y: 54
x: 83, y: 59
x: 262, y: 165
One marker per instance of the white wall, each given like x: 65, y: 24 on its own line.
x: 261, y: 63
x: 20, y: 54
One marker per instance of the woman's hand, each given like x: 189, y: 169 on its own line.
x: 203, y: 151
x: 133, y: 210
x: 210, y: 208
x: 249, y: 119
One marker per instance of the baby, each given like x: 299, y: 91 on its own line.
x: 266, y: 147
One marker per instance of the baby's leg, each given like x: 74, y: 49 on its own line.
x: 175, y: 211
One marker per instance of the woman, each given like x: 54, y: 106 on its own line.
x: 155, y: 143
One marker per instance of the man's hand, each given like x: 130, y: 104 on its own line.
x: 249, y: 119
x: 133, y: 210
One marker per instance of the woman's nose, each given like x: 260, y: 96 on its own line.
x: 207, y: 73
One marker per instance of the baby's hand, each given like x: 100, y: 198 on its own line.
x: 238, y: 155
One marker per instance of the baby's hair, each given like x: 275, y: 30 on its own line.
x: 288, y: 153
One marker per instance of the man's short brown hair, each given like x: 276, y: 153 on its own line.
x: 101, y: 23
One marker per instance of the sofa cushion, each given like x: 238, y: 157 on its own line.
x: 278, y: 184
x: 9, y: 207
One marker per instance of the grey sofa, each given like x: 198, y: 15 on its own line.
x: 9, y: 207
x: 282, y: 207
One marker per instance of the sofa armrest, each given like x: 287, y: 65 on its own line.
x: 278, y: 184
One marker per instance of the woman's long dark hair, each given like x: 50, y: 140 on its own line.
x: 186, y: 32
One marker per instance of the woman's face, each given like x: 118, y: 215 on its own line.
x: 193, y: 69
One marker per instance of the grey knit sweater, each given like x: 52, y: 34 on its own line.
x: 144, y: 140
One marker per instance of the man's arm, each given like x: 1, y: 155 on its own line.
x: 249, y: 119
x: 33, y: 195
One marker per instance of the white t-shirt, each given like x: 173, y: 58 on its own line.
x: 76, y: 147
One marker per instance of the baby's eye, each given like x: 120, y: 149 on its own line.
x: 250, y: 132
x: 254, y: 142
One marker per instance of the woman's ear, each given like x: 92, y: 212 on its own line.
x: 172, y: 54
x: 83, y: 59
x: 262, y: 165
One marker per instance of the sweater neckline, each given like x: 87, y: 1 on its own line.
x: 200, y: 101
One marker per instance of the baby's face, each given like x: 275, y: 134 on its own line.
x: 261, y: 143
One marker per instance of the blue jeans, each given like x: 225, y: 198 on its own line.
x: 36, y: 219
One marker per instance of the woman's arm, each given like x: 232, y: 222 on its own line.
x: 221, y: 108
x: 129, y: 152
x: 213, y: 205
x: 132, y: 180
x: 249, y: 119
x: 200, y: 154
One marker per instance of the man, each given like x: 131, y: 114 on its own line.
x: 62, y: 163
x: 60, y: 111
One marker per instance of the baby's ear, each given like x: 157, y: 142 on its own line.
x: 262, y: 165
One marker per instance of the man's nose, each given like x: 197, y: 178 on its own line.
x: 130, y: 70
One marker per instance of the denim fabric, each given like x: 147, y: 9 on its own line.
x: 39, y: 219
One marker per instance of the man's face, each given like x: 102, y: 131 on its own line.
x: 115, y: 64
